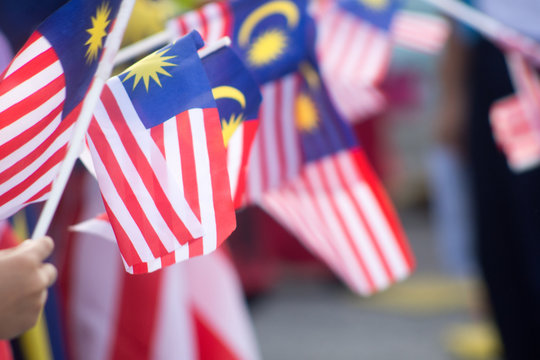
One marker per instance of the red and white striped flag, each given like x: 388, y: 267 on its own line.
x: 515, y: 120
x: 340, y: 211
x: 41, y: 92
x: 420, y: 31
x: 159, y: 156
x: 194, y: 310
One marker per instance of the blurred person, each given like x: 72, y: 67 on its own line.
x: 24, y: 280
x: 506, y: 205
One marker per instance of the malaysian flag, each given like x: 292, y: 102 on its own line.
x: 515, y: 120
x: 41, y: 92
x: 353, y: 47
x: 238, y: 98
x: 336, y: 205
x: 420, y: 31
x: 158, y: 151
x: 270, y: 36
x: 194, y: 310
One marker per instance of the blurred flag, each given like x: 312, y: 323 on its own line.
x: 336, y: 206
x: 193, y: 310
x: 515, y: 120
x: 157, y: 147
x: 420, y: 31
x: 271, y: 37
x: 238, y: 98
x: 353, y: 41
x: 353, y: 49
x: 41, y: 92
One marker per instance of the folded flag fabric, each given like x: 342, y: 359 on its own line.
x: 238, y: 98
x: 336, y: 205
x: 515, y: 120
x: 157, y: 148
x: 41, y: 92
x: 270, y: 36
x: 194, y: 310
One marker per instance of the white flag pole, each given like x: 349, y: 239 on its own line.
x: 491, y: 28
x: 142, y: 47
x: 112, y: 44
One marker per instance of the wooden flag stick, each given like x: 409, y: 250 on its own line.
x: 112, y: 44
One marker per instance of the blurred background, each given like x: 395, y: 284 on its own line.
x: 299, y: 309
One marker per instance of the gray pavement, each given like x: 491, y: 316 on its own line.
x: 309, y: 318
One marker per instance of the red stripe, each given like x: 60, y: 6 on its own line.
x: 196, y: 248
x: 157, y: 134
x: 189, y: 177
x: 31, y: 102
x: 17, y: 190
x: 278, y: 122
x: 349, y: 238
x: 372, y: 237
x: 386, y: 206
x: 130, y: 255
x: 144, y: 169
x: 36, y: 153
x: 221, y: 190
x: 261, y: 161
x: 28, y: 70
x: 226, y: 17
x: 33, y: 38
x: 40, y: 193
x: 125, y: 191
x: 210, y: 345
x: 137, y: 318
x: 250, y: 129
x: 18, y: 141
x: 203, y: 21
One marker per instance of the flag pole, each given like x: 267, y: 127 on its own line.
x: 490, y: 27
x: 112, y: 44
x: 143, y: 46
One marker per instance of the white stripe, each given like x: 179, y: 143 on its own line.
x: 288, y: 116
x: 30, y: 119
x: 34, y: 166
x: 30, y: 86
x: 174, y: 337
x: 35, y: 49
x: 329, y: 218
x: 254, y: 170
x: 339, y: 46
x: 268, y: 131
x: 8, y: 208
x: 118, y: 207
x: 214, y: 21
x: 373, y: 212
x: 172, y: 155
x: 204, y: 181
x: 286, y: 207
x: 356, y: 52
x: 96, y: 265
x: 376, y: 58
x: 235, y: 149
x: 353, y: 222
x: 193, y: 22
x: 166, y: 235
x: 153, y: 156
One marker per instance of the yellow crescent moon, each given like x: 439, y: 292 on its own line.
x: 229, y: 92
x: 287, y: 8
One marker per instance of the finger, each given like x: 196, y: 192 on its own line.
x: 49, y: 273
x: 41, y: 247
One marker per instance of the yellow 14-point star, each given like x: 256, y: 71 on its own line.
x: 97, y: 32
x: 150, y: 67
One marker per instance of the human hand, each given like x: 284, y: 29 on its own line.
x: 24, y: 279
